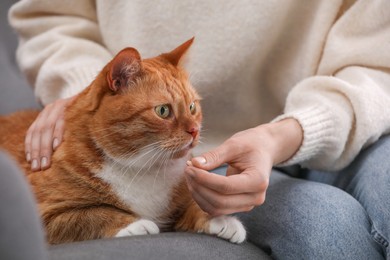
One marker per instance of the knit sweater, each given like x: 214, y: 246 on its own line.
x: 324, y: 63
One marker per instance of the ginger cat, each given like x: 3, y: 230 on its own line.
x: 119, y: 171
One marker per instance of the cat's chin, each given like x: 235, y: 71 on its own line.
x: 182, y: 153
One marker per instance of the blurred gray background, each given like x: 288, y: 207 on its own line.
x: 15, y: 92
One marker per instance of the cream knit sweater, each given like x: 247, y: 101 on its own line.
x: 325, y: 63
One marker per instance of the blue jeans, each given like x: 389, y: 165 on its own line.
x: 347, y: 218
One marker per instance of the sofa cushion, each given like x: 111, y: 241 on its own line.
x: 162, y: 246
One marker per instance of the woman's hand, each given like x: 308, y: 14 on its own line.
x: 250, y: 155
x: 45, y: 134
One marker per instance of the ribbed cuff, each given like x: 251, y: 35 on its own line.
x: 79, y: 78
x: 318, y: 128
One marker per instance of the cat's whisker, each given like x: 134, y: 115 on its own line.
x: 152, y: 160
x: 148, y: 149
x: 158, y: 169
x: 172, y: 153
x: 165, y: 158
x: 202, y: 131
x: 142, y: 167
x: 139, y: 152
x: 194, y: 79
x: 128, y: 158
x: 161, y: 151
x: 126, y: 168
x: 162, y: 160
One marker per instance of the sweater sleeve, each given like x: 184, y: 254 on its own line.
x: 60, y: 47
x: 346, y: 106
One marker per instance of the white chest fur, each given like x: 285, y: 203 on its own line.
x: 146, y: 190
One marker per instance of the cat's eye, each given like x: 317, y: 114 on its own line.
x: 162, y: 111
x: 193, y: 108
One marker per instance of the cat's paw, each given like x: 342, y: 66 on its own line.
x: 229, y: 228
x: 139, y: 227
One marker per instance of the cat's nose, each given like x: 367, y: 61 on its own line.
x: 193, y: 131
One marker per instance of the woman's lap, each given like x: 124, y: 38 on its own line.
x: 307, y: 219
x: 367, y: 179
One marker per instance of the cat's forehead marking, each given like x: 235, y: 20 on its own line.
x: 172, y: 82
x: 177, y: 89
x: 181, y: 91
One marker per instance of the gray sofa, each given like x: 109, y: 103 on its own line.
x: 22, y: 236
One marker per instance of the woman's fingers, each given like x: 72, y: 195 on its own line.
x: 250, y: 155
x: 28, y: 141
x: 35, y: 143
x: 234, y: 184
x: 217, y: 204
x: 58, y: 133
x: 45, y: 146
x: 46, y: 134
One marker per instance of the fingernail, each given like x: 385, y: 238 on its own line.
x: 56, y: 142
x: 28, y: 157
x: 43, y: 162
x: 200, y: 160
x: 34, y: 164
x: 189, y: 163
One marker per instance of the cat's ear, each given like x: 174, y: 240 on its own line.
x: 176, y: 56
x: 125, y: 68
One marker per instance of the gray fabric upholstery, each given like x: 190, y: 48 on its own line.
x: 21, y: 235
x: 169, y: 246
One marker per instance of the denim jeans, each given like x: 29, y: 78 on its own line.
x: 346, y: 218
